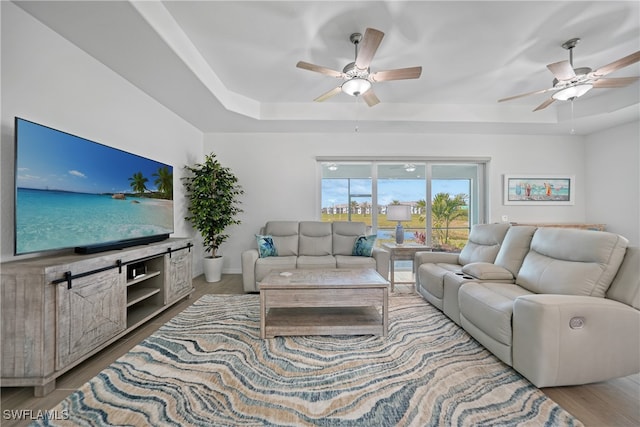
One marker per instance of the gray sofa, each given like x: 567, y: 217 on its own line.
x: 561, y: 306
x: 310, y: 244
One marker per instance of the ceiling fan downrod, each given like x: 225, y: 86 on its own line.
x: 355, y: 38
x: 569, y: 45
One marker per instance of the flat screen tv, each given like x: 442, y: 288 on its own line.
x: 71, y: 192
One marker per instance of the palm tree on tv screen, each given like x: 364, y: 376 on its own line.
x: 138, y: 182
x: 164, y: 182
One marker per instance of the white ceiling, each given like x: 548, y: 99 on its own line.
x: 229, y: 66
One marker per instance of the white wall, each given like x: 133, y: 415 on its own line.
x: 50, y: 81
x: 613, y: 180
x: 280, y: 179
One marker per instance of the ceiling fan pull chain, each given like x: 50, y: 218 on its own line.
x: 573, y: 131
x: 357, y: 115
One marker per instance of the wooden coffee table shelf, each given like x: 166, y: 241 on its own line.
x: 324, y: 302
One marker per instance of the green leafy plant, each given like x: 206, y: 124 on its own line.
x: 213, y: 193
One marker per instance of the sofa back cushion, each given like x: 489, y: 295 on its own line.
x: 625, y: 287
x: 285, y: 236
x: 315, y: 238
x: 571, y: 262
x: 483, y: 244
x: 514, y: 248
x: 345, y: 234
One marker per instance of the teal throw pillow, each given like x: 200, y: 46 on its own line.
x: 363, y: 245
x: 266, y: 248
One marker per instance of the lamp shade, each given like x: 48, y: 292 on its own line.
x: 356, y: 86
x: 398, y: 213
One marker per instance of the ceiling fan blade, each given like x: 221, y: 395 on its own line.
x: 562, y: 70
x: 399, y: 74
x: 615, y: 82
x: 525, y: 94
x: 370, y: 98
x: 616, y: 65
x: 318, y: 69
x: 329, y: 94
x: 545, y: 104
x: 368, y: 47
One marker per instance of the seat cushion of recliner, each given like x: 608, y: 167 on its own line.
x: 326, y: 261
x: 265, y: 265
x: 347, y: 261
x: 489, y: 307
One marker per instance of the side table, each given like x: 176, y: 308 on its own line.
x: 402, y: 252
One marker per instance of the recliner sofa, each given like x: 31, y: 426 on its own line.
x: 310, y: 244
x: 565, y: 309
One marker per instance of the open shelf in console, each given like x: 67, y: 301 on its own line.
x: 145, y: 289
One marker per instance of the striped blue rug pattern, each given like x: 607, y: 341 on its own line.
x: 208, y: 367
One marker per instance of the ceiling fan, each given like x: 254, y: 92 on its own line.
x: 571, y: 83
x: 358, y: 79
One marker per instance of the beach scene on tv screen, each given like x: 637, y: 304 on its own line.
x: 73, y: 192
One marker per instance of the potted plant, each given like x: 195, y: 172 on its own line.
x: 213, y: 192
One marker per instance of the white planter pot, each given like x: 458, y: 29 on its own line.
x: 212, y: 269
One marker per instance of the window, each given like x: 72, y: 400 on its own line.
x: 346, y: 193
x: 446, y: 197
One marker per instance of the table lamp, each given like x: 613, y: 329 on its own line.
x: 399, y: 213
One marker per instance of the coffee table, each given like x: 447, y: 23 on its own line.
x: 324, y: 302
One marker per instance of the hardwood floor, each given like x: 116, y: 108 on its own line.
x: 612, y: 403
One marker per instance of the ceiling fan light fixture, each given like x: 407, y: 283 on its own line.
x: 572, y: 92
x: 356, y: 86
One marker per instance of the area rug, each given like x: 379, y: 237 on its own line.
x: 208, y: 367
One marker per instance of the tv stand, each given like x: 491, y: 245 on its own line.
x: 57, y: 311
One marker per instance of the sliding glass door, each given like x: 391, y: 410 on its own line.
x: 445, y: 197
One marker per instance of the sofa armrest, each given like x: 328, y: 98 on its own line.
x: 570, y: 340
x: 434, y: 258
x: 249, y: 258
x: 382, y: 258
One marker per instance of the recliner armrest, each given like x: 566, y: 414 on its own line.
x: 249, y: 258
x: 435, y: 257
x: 382, y: 258
x: 570, y: 340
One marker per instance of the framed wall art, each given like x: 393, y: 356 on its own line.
x: 541, y: 190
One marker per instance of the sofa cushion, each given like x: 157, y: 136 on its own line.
x: 571, y: 262
x: 363, y: 246
x: 515, y: 247
x: 483, y: 243
x: 345, y: 234
x: 625, y: 287
x: 348, y: 261
x: 487, y: 271
x: 266, y: 247
x: 265, y: 265
x: 315, y: 238
x: 489, y: 308
x: 316, y: 261
x: 285, y: 236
